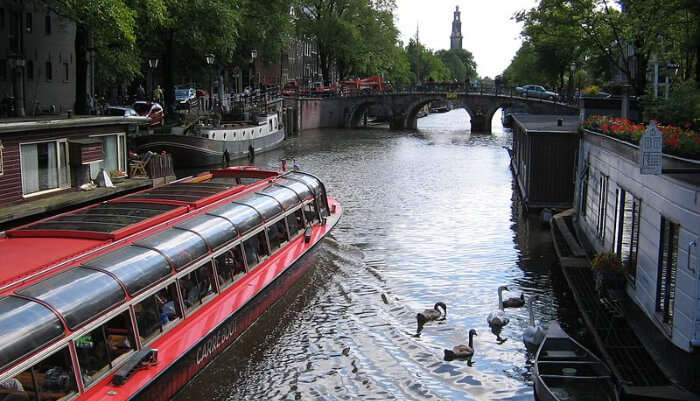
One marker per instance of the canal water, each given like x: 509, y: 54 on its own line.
x: 429, y: 215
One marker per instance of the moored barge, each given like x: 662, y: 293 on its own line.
x: 130, y: 298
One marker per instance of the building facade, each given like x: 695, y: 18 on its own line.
x: 653, y: 223
x: 456, y: 36
x: 37, y: 62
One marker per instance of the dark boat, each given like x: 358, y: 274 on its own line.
x: 204, y: 145
x: 130, y: 298
x: 507, y: 114
x: 566, y: 370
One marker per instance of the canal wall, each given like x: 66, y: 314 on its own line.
x: 316, y: 112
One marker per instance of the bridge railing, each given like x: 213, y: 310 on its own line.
x: 433, y: 88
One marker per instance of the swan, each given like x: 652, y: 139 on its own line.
x: 431, y: 314
x: 498, y: 317
x: 462, y: 351
x: 514, y: 302
x: 533, y: 335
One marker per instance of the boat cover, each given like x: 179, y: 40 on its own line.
x: 180, y: 247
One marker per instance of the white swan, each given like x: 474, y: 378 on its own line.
x: 533, y: 335
x: 498, y: 317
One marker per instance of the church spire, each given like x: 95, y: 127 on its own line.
x: 456, y: 37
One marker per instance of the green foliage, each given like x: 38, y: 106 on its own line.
x: 607, y: 262
x: 682, y: 107
x: 459, y: 62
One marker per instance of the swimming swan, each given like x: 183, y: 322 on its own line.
x: 462, y: 351
x: 533, y: 335
x: 514, y: 302
x: 431, y: 314
x: 498, y: 317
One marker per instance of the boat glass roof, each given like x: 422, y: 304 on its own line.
x: 103, y: 218
x: 216, y: 231
x: 287, y: 197
x: 134, y: 266
x: 245, y: 218
x: 179, y: 246
x: 311, y: 181
x: 181, y: 191
x: 78, y: 294
x: 297, y: 186
x: 268, y: 207
x: 25, y: 326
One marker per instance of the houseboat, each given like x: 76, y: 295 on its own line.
x: 653, y: 223
x: 204, y: 145
x: 130, y: 298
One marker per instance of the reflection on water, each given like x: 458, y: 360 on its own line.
x: 429, y: 216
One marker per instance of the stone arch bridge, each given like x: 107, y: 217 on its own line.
x: 402, y: 108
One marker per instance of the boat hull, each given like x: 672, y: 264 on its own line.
x: 167, y: 384
x: 193, y: 151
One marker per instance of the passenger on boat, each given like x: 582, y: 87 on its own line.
x: 11, y: 384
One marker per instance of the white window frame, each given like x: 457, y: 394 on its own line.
x: 59, y: 163
x: 121, y: 157
x: 2, y: 164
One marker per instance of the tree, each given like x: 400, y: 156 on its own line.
x: 460, y: 62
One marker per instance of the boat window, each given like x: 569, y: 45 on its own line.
x: 245, y: 218
x: 31, y: 325
x: 104, y: 347
x: 49, y: 380
x: 300, y: 188
x: 134, y: 266
x: 285, y: 196
x: 255, y: 249
x: 230, y: 266
x: 277, y: 233
x: 268, y: 207
x: 216, y: 231
x: 197, y: 287
x: 310, y: 213
x: 156, y: 313
x: 179, y: 246
x: 295, y: 222
x: 78, y: 294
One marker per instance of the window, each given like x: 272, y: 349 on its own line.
x: 50, y: 379
x: 295, y: 222
x: 44, y: 166
x: 2, y: 18
x: 602, y: 205
x: 49, y: 71
x: 157, y: 312
x: 28, y: 25
x: 230, y: 267
x: 277, y: 233
x: 626, y: 239
x: 113, y: 153
x: 30, y: 70
x: 47, y: 24
x: 255, y: 249
x: 668, y: 265
x: 310, y: 213
x: 3, y: 70
x: 66, y: 72
x: 197, y: 286
x: 99, y: 350
x: 2, y: 165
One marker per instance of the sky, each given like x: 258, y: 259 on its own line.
x: 489, y: 32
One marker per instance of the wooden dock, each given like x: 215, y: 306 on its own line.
x: 634, y: 368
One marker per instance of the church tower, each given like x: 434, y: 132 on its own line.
x: 456, y: 37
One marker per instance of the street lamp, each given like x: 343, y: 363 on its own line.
x: 572, y: 92
x: 253, y: 56
x: 152, y: 65
x: 210, y: 60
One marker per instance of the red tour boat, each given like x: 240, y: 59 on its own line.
x: 130, y: 298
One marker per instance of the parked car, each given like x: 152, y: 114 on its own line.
x: 290, y: 88
x: 536, y: 91
x: 119, y: 111
x: 152, y: 110
x: 185, y: 98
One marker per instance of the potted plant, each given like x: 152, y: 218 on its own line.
x: 608, y: 271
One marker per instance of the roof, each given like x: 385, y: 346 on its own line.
x: 546, y: 122
x: 91, y: 121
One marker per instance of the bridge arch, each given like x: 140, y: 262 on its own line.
x: 410, y: 120
x: 505, y: 103
x: 354, y: 116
